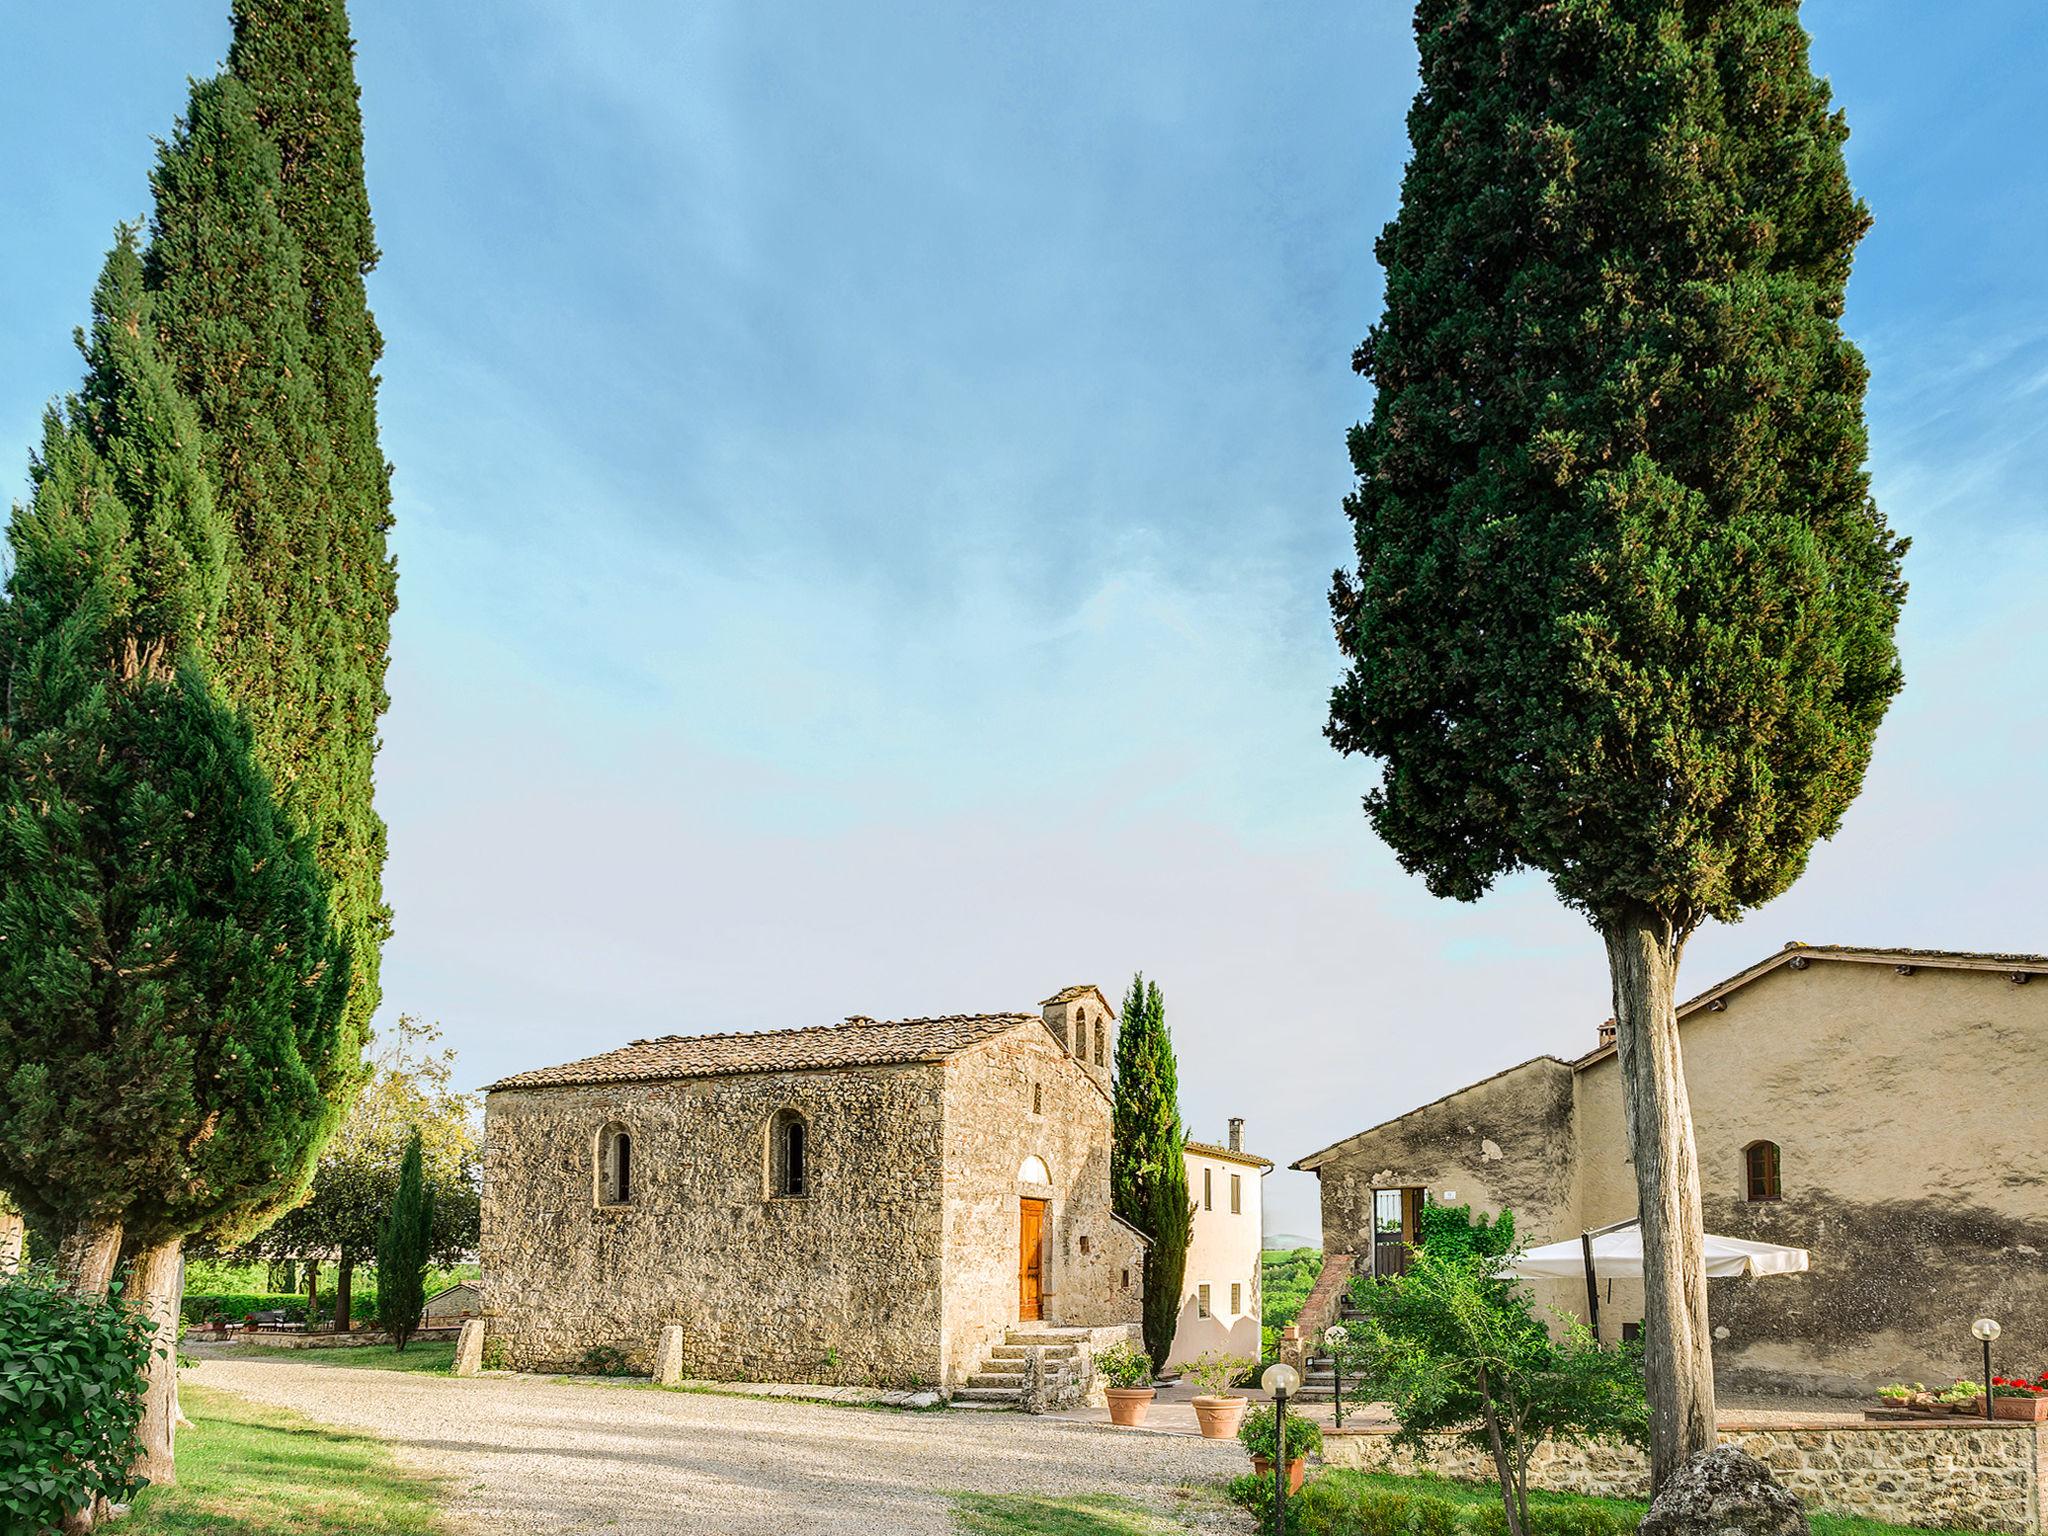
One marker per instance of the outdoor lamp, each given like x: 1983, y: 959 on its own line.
x: 1280, y: 1379
x: 1986, y: 1329
x: 1336, y: 1334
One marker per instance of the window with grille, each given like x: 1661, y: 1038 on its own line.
x: 1207, y: 1203
x: 1236, y: 1298
x: 1237, y: 1194
x: 1202, y: 1301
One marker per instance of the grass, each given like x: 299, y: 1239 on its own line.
x: 1028, y: 1514
x: 245, y: 1470
x: 1476, y: 1495
x: 423, y: 1355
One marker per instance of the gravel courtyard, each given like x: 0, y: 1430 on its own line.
x: 527, y: 1454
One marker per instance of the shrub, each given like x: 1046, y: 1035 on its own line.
x: 71, y: 1383
x: 1304, y: 1437
x: 606, y: 1360
x: 496, y: 1357
x: 1559, y: 1520
x: 1124, y: 1365
x: 1217, y: 1371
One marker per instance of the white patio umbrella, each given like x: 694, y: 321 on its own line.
x: 1617, y: 1253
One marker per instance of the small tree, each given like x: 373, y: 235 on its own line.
x: 1453, y: 1346
x: 403, y: 1245
x: 1148, y: 1175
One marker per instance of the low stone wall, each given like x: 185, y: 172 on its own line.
x: 353, y: 1340
x: 1987, y: 1477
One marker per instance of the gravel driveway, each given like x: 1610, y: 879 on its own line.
x: 529, y: 1454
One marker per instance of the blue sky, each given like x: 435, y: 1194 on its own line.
x: 867, y: 481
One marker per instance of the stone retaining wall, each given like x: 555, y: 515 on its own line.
x: 358, y: 1339
x: 1988, y: 1477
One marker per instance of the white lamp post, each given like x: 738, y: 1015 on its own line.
x: 1986, y: 1329
x: 1336, y: 1334
x: 1280, y: 1379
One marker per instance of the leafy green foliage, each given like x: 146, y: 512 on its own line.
x: 1342, y: 1506
x: 403, y: 1243
x: 1148, y: 1174
x: 1455, y: 1231
x: 1624, y: 607
x: 1286, y: 1276
x: 1453, y: 1346
x: 1304, y: 1435
x: 606, y: 1360
x: 70, y: 1401
x: 1124, y: 1365
x: 234, y: 1306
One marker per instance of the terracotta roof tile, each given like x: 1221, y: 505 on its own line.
x: 1249, y: 1159
x: 856, y: 1043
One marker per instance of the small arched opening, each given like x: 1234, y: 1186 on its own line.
x: 789, y: 1155
x: 614, y: 1158
x: 1761, y: 1171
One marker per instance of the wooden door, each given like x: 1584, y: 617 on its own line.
x: 1031, y: 1261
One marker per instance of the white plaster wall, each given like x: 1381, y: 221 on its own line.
x: 1223, y: 1250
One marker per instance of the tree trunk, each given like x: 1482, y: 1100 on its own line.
x: 87, y: 1255
x: 312, y: 1291
x: 153, y: 1291
x: 1501, y: 1469
x: 12, y: 1233
x: 344, y: 1277
x: 1642, y: 955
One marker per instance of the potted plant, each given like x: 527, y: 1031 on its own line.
x: 1303, y: 1438
x: 1126, y: 1372
x: 2014, y: 1397
x: 1905, y: 1398
x: 1963, y: 1397
x: 1218, y: 1409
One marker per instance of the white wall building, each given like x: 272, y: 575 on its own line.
x: 1220, y: 1301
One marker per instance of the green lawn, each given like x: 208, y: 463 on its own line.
x: 1477, y: 1495
x: 425, y: 1355
x: 245, y: 1470
x: 1025, y: 1514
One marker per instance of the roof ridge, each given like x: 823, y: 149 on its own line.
x: 852, y: 1021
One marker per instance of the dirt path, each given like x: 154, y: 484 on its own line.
x: 528, y: 1454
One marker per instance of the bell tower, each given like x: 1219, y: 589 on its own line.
x: 1083, y: 1021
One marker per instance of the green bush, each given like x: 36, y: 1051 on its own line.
x: 496, y: 1355
x: 204, y: 1306
x: 1572, y: 1520
x: 1124, y: 1365
x: 606, y: 1360
x: 1339, y: 1506
x: 1304, y: 1436
x: 70, y: 1401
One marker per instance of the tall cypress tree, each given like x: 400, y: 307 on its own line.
x: 404, y: 1242
x: 260, y: 241
x: 171, y: 1045
x: 1624, y: 608
x: 1147, y: 1160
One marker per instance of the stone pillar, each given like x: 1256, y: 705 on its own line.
x: 668, y: 1356
x: 469, y: 1348
x: 1294, y: 1349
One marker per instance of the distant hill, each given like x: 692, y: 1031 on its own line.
x: 1286, y: 1241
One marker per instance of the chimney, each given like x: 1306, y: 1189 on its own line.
x: 1237, y: 1133
x: 1607, y: 1033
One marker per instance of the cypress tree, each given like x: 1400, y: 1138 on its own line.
x: 171, y: 1044
x: 403, y: 1244
x: 1148, y: 1175
x: 260, y: 241
x: 1624, y: 608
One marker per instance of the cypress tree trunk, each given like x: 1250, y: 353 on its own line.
x: 87, y: 1255
x: 1642, y: 956
x: 344, y: 1277
x: 153, y: 1291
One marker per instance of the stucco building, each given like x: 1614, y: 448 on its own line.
x: 872, y: 1201
x: 1220, y: 1302
x: 1877, y: 1107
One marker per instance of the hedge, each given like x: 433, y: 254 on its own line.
x: 198, y: 1307
x: 1338, y: 1506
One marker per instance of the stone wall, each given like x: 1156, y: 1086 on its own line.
x: 840, y: 1286
x: 1965, y: 1477
x: 1094, y: 1274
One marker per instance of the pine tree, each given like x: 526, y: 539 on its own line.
x: 260, y: 242
x: 1624, y: 608
x: 1147, y: 1164
x: 403, y: 1245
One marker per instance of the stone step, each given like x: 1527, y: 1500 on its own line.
x: 1023, y: 1351
x: 1013, y: 1380
x: 1070, y: 1337
x: 995, y: 1396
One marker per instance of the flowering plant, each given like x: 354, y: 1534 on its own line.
x: 2019, y: 1386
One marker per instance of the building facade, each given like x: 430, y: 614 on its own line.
x: 873, y: 1202
x: 1875, y: 1107
x: 1221, y: 1306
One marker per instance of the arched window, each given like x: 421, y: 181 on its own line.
x: 1760, y: 1171
x: 1081, y: 1033
x: 789, y: 1156
x: 1100, y: 1036
x: 1033, y: 1171
x: 614, y: 1165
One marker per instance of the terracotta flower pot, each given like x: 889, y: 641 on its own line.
x: 2028, y: 1410
x: 1128, y: 1405
x: 1219, y: 1416
x: 1297, y: 1470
